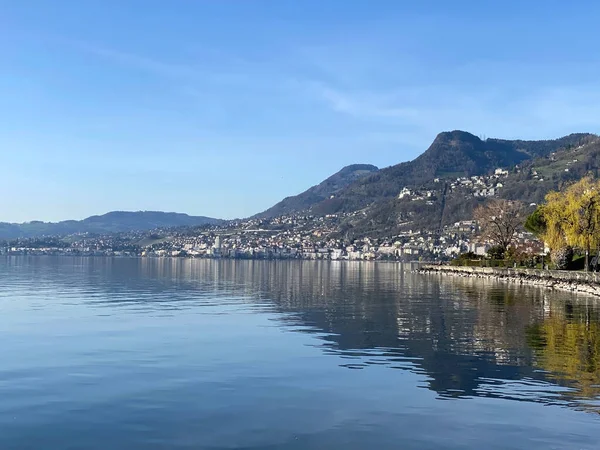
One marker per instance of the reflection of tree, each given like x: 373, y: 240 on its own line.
x: 567, y: 345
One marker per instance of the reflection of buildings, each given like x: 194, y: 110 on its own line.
x: 468, y: 337
x: 216, y: 248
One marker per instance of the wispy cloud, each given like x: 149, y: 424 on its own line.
x: 416, y: 110
x: 136, y: 61
x: 547, y: 111
x: 224, y: 71
x: 362, y: 105
x: 143, y: 63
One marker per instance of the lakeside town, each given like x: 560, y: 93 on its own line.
x: 300, y: 236
x: 285, y: 237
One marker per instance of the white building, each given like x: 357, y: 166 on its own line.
x: 405, y: 192
x: 336, y: 253
x: 478, y: 248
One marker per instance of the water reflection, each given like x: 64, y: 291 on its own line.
x: 567, y: 345
x: 467, y: 337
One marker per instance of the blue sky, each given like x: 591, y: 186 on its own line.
x: 222, y: 108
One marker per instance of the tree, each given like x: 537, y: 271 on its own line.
x: 496, y: 252
x: 499, y: 220
x: 562, y: 257
x: 573, y: 216
x: 536, y: 223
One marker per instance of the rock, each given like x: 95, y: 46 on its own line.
x: 577, y: 283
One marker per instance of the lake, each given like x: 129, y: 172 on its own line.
x: 101, y: 353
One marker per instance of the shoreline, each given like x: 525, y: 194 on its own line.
x: 578, y: 282
x: 193, y: 258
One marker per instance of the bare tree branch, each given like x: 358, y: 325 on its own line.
x: 499, y: 220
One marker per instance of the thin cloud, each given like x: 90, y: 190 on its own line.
x: 140, y: 62
x: 542, y: 113
x: 361, y: 105
x: 161, y: 68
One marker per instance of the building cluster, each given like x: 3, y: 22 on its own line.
x: 415, y: 195
x: 475, y: 186
x: 121, y: 244
x: 285, y: 237
x: 480, y: 185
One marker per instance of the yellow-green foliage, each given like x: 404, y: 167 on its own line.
x: 573, y: 215
x: 570, y: 350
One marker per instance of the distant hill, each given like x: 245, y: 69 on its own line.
x: 112, y: 222
x: 320, y: 192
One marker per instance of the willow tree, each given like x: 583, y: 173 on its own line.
x: 573, y: 216
x: 554, y: 219
x: 499, y: 220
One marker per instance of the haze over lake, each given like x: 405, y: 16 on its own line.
x: 156, y: 353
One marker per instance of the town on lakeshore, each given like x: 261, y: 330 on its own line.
x: 286, y: 237
x: 297, y: 236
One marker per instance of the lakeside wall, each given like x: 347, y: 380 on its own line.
x: 585, y: 282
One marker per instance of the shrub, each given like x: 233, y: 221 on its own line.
x: 496, y: 252
x: 465, y: 259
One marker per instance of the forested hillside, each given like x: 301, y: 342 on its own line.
x: 451, y: 155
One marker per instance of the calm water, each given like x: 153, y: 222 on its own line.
x: 181, y: 354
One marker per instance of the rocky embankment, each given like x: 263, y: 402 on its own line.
x: 587, y: 283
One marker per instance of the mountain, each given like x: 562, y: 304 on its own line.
x: 452, y: 154
x: 320, y: 192
x: 112, y: 222
x: 537, y: 176
x: 560, y: 161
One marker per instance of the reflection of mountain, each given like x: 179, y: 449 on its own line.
x: 467, y: 337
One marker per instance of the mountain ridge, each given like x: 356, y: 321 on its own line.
x: 563, y: 161
x: 327, y: 188
x: 451, y: 154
